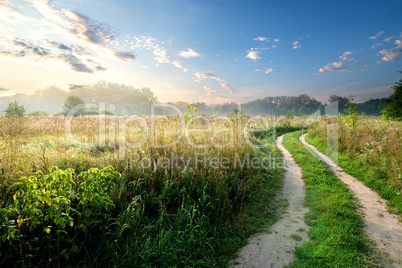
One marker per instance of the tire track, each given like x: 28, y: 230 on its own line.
x: 381, y: 226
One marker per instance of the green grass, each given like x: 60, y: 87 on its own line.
x: 163, y: 217
x: 336, y: 234
x: 373, y: 176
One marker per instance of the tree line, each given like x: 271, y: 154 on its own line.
x: 127, y: 100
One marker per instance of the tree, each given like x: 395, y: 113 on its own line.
x: 71, y: 102
x: 342, y: 102
x: 394, y: 106
x: 14, y: 110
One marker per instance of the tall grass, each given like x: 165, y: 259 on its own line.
x: 371, y: 153
x: 196, y: 210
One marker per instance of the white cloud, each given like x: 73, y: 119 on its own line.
x: 254, y: 55
x: 257, y: 70
x: 276, y: 40
x: 209, y: 91
x: 334, y: 66
x: 269, y: 70
x: 393, y: 53
x: 376, y: 36
x: 338, y: 65
x: 189, y: 54
x: 260, y: 39
x: 345, y: 55
x: 296, y: 45
x: 208, y: 75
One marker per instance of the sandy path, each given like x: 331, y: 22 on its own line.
x: 276, y: 249
x: 382, y: 227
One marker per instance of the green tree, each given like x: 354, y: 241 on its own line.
x: 14, y: 110
x: 71, y: 102
x: 342, y: 102
x: 394, y: 106
x: 350, y: 119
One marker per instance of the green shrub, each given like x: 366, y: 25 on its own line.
x: 53, y: 217
x: 38, y: 113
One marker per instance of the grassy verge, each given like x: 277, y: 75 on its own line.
x: 336, y: 234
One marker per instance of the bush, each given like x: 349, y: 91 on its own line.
x: 53, y: 217
x: 38, y: 113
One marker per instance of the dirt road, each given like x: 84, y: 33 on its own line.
x: 276, y: 249
x: 381, y: 226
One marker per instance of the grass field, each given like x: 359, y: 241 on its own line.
x: 158, y: 196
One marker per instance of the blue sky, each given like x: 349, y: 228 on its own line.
x: 204, y: 50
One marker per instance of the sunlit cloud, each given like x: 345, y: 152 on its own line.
x: 254, y: 55
x: 338, y: 65
x: 189, y: 54
x: 344, y: 56
x: 222, y: 98
x: 393, y: 53
x: 260, y: 39
x: 296, y: 45
x: 376, y: 36
x: 333, y: 66
x: 208, y: 75
x: 209, y: 91
x: 269, y: 70
x: 76, y: 34
x: 155, y: 46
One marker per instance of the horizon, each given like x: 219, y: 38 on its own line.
x: 215, y: 51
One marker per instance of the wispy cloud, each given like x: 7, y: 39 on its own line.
x: 209, y: 91
x: 254, y: 55
x: 2, y: 89
x: 269, y: 70
x: 155, y: 46
x: 296, y: 45
x: 376, y: 36
x: 189, y: 54
x: 260, y: 39
x: 80, y: 41
x: 333, y: 66
x: 208, y: 75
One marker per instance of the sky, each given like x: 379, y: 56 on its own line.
x: 211, y: 51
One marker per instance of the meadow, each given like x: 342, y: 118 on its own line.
x: 135, y: 191
x: 161, y: 191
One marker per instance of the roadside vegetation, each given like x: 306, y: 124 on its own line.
x: 370, y: 150
x: 336, y: 234
x: 82, y: 193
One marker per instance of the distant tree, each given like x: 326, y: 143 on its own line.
x: 394, y: 106
x: 70, y: 103
x: 14, y: 110
x: 342, y: 102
